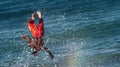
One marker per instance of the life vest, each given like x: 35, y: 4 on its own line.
x: 37, y: 31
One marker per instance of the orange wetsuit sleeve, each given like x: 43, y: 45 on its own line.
x: 32, y: 27
x: 30, y: 24
x: 41, y: 26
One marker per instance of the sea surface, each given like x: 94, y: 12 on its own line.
x: 80, y: 33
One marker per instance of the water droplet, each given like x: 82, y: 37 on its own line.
x: 38, y: 65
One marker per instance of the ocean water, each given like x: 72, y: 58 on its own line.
x: 80, y: 33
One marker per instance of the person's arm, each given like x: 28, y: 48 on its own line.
x: 31, y: 20
x: 32, y: 17
x: 40, y: 16
x: 41, y: 24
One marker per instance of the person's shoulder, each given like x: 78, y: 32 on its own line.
x: 30, y: 21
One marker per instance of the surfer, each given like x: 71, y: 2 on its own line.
x: 37, y: 35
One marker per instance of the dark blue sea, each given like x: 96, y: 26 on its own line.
x: 80, y: 33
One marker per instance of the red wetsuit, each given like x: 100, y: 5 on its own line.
x: 37, y: 31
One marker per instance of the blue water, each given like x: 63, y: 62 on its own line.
x: 80, y: 33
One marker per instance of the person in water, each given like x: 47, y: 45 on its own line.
x: 37, y: 35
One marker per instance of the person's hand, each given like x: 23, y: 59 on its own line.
x: 39, y: 14
x: 33, y: 16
